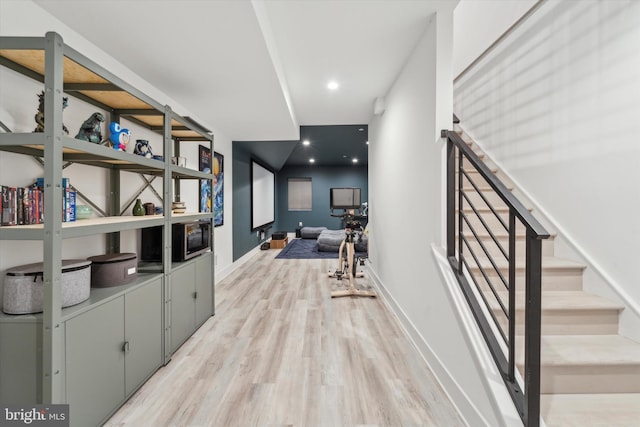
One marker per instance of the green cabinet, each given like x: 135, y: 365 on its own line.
x: 20, y: 361
x: 95, y: 362
x: 110, y: 351
x: 204, y: 289
x: 191, y: 298
x: 143, y: 334
x: 182, y: 304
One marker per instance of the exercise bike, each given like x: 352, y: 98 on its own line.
x: 347, y: 260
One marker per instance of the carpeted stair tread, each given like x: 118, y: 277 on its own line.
x: 549, y: 263
x: 579, y: 410
x: 587, y: 350
x: 562, y: 301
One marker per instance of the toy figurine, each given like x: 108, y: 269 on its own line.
x: 40, y: 114
x: 143, y: 148
x: 119, y: 137
x: 91, y: 129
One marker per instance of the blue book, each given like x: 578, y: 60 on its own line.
x: 71, y: 207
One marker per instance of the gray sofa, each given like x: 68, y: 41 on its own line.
x: 311, y: 232
x: 330, y: 240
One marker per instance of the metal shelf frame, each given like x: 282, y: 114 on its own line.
x: 51, y: 59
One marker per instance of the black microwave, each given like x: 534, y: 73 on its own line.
x: 189, y: 239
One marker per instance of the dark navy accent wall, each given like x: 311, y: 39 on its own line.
x: 322, y: 179
x: 244, y: 240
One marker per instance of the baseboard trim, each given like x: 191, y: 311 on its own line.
x: 223, y: 273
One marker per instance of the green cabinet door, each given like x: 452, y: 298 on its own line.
x: 204, y: 289
x: 143, y: 334
x: 183, y: 320
x: 95, y: 363
x: 20, y: 362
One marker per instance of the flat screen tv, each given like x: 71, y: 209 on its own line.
x: 344, y: 198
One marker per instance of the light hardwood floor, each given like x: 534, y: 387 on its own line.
x: 280, y: 351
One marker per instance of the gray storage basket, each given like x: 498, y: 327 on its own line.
x: 113, y: 269
x: 23, y: 287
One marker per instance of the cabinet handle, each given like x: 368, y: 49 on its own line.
x: 195, y: 295
x: 125, y: 347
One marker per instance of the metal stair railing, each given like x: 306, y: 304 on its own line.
x: 482, y: 275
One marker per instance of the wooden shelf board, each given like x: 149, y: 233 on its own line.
x: 154, y: 120
x: 117, y: 99
x: 34, y: 61
x: 76, y: 73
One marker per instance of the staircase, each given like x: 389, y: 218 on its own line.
x: 590, y: 375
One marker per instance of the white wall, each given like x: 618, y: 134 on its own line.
x: 406, y: 216
x: 18, y: 106
x: 224, y: 234
x: 478, y: 23
x: 557, y: 105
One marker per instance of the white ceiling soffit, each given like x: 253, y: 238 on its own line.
x: 256, y: 70
x: 210, y: 56
x: 362, y: 45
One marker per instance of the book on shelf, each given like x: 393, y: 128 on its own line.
x: 20, y: 206
x: 40, y: 201
x: 65, y: 204
x: 6, y: 214
x: 25, y: 205
x: 30, y: 206
x: 71, y: 206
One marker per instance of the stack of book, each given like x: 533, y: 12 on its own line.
x: 25, y: 205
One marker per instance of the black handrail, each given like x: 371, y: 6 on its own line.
x: 527, y: 401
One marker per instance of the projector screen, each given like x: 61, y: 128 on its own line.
x: 263, y: 184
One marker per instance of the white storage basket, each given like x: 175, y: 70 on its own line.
x: 23, y: 287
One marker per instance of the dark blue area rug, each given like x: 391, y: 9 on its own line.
x: 307, y: 249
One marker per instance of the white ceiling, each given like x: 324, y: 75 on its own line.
x: 257, y: 70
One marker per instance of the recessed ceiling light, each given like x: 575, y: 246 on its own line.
x: 312, y: 160
x: 306, y: 142
x: 354, y: 160
x: 332, y: 85
x: 367, y: 142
